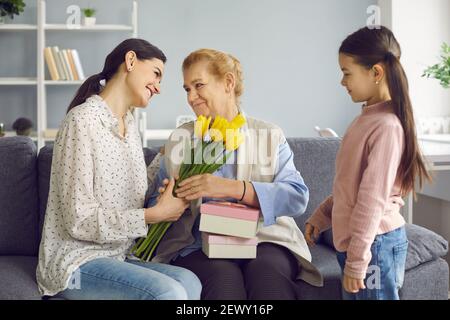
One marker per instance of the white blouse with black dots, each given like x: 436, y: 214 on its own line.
x: 97, y: 191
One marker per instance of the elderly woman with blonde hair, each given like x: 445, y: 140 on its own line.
x: 213, y: 84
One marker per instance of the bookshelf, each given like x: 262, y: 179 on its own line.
x: 41, y: 28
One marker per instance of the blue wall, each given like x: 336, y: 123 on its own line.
x: 288, y: 49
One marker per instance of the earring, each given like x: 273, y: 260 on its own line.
x: 378, y: 82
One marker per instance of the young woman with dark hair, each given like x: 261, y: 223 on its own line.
x: 98, y: 183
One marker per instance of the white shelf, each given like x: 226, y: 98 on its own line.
x: 157, y: 134
x: 17, y: 27
x: 97, y: 27
x: 42, y: 27
x: 18, y: 81
x: 63, y: 82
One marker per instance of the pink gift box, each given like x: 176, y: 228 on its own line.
x: 227, y: 218
x: 217, y: 246
x: 230, y: 210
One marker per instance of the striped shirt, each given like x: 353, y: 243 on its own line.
x: 366, y: 197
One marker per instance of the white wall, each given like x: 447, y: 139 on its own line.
x: 288, y: 49
x: 421, y: 26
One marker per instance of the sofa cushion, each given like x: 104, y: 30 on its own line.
x: 44, y: 169
x: 149, y: 154
x: 324, y: 258
x: 424, y: 245
x: 18, y: 197
x: 428, y: 281
x: 18, y: 278
x: 315, y: 159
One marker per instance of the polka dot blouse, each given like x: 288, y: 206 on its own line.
x: 97, y: 191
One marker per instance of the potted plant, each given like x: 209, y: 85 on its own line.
x: 441, y: 70
x: 9, y: 8
x: 89, y: 16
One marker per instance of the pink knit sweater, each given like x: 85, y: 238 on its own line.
x: 366, y: 197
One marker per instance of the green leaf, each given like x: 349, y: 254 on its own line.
x: 441, y: 71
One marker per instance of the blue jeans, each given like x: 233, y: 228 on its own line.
x: 386, y: 269
x: 111, y: 279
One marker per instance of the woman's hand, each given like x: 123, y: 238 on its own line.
x: 352, y: 285
x: 208, y: 185
x: 168, y: 207
x: 311, y: 234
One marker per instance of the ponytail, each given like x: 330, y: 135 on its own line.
x: 143, y: 50
x: 369, y: 47
x: 412, y: 163
x: 89, y: 87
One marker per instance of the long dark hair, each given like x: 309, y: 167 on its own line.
x: 369, y: 47
x: 144, y: 51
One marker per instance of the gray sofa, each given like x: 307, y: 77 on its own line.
x: 24, y: 182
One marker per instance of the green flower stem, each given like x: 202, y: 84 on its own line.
x: 147, y: 239
x: 151, y: 239
x: 145, y: 248
x: 162, y: 232
x: 138, y: 243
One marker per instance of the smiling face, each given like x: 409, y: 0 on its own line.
x: 359, y: 81
x: 144, y: 80
x: 206, y: 94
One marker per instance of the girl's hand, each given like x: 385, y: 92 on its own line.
x: 170, y: 208
x: 352, y: 285
x: 206, y: 185
x: 311, y: 234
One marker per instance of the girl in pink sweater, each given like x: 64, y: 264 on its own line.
x: 377, y: 164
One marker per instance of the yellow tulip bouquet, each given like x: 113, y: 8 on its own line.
x: 215, y: 143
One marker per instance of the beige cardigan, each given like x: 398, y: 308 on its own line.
x: 284, y: 232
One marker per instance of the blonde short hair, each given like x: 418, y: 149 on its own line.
x: 220, y: 63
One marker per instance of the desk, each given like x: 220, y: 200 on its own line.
x: 436, y: 151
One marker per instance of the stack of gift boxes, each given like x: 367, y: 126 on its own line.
x: 229, y: 230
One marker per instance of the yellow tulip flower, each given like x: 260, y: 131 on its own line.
x: 233, y: 140
x: 238, y: 121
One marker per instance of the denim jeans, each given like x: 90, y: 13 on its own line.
x: 111, y: 279
x: 386, y: 269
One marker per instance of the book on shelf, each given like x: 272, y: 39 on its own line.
x: 51, y: 64
x: 63, y: 64
x: 57, y: 59
x: 50, y: 133
x: 72, y: 65
x: 76, y: 60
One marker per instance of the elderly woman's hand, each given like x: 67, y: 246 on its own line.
x: 208, y: 185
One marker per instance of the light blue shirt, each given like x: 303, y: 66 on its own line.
x: 287, y: 195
